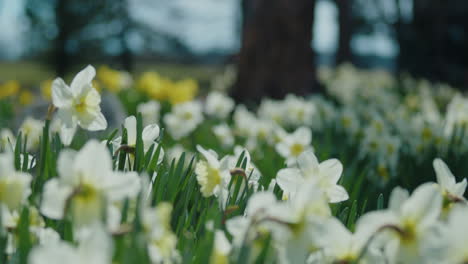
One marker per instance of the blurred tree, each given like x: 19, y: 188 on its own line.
x: 276, y: 57
x: 345, y: 30
x: 71, y: 29
x: 432, y: 36
x: 75, y: 32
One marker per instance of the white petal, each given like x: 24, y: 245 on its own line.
x: 397, y: 198
x: 331, y: 169
x: 96, y: 246
x: 130, y: 125
x: 54, y: 199
x: 98, y: 123
x: 258, y: 201
x: 123, y: 185
x: 93, y: 162
x: 337, y: 194
x: 82, y: 79
x: 289, y: 180
x: 308, y: 162
x: 303, y: 135
x: 424, y: 205
x: 221, y: 243
x: 150, y: 134
x: 66, y: 117
x: 61, y: 94
x: 460, y: 188
x: 65, y: 167
x: 444, y: 176
x: 56, y: 253
x: 282, y: 149
x: 67, y: 134
x: 212, y: 160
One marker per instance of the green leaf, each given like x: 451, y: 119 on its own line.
x: 380, y: 202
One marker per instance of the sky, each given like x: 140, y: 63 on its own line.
x: 205, y: 25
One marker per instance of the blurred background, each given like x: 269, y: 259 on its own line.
x: 277, y: 45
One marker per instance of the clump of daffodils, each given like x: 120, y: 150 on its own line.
x: 256, y: 192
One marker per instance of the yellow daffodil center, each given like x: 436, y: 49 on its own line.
x: 426, y: 134
x: 408, y: 234
x: 208, y: 177
x: 87, y: 205
x: 218, y: 258
x: 383, y: 172
x: 11, y: 193
x: 296, y: 149
x: 80, y: 106
x: 187, y: 116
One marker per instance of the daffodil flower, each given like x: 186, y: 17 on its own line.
x: 295, y: 144
x: 14, y: 185
x: 162, y: 241
x: 456, y: 236
x: 339, y: 245
x: 446, y: 181
x: 221, y: 248
x: 408, y: 230
x: 94, y: 248
x: 326, y: 175
x: 78, y: 104
x: 149, y: 134
x: 87, y: 185
x: 212, y: 175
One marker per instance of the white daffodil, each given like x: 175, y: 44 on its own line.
x: 95, y: 248
x: 456, y: 115
x: 446, y: 181
x: 338, y: 245
x: 87, y: 185
x: 14, y: 185
x: 7, y: 139
x: 304, y: 211
x: 295, y: 144
x: 183, y: 119
x: 244, y: 120
x: 298, y: 111
x: 218, y: 105
x: 149, y: 112
x: 272, y: 110
x: 263, y: 216
x: 408, y: 230
x: 162, y: 241
x: 252, y: 174
x: 78, y: 104
x: 149, y: 135
x: 37, y: 229
x: 221, y: 248
x: 224, y: 134
x: 213, y: 175
x: 326, y: 175
x: 456, y: 236
x: 32, y: 130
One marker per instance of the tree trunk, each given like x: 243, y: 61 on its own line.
x: 62, y: 60
x: 126, y: 55
x: 345, y: 32
x: 276, y: 56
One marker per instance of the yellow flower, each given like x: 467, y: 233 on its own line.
x: 9, y: 88
x: 26, y: 97
x: 183, y: 91
x: 111, y: 79
x: 46, y: 89
x: 154, y: 85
